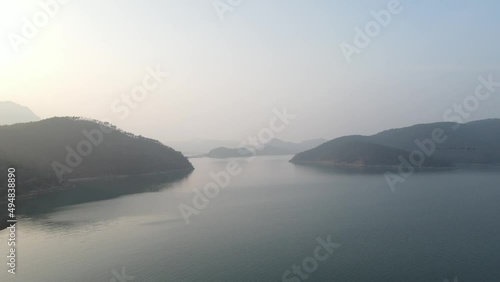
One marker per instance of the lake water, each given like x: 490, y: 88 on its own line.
x: 435, y: 226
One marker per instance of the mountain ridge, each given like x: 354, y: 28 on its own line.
x: 12, y: 113
x: 476, y: 142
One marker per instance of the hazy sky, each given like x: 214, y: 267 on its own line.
x: 226, y: 76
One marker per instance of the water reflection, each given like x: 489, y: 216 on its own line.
x: 348, y: 170
x: 98, y: 190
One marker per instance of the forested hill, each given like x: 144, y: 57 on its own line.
x: 54, y: 150
x: 475, y: 142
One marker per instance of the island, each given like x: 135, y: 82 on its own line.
x: 275, y: 147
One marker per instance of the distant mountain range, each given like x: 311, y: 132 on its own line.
x: 11, y: 113
x: 475, y: 142
x: 199, y: 146
x: 65, y: 148
x: 274, y: 147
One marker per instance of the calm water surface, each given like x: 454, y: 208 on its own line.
x: 436, y: 226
